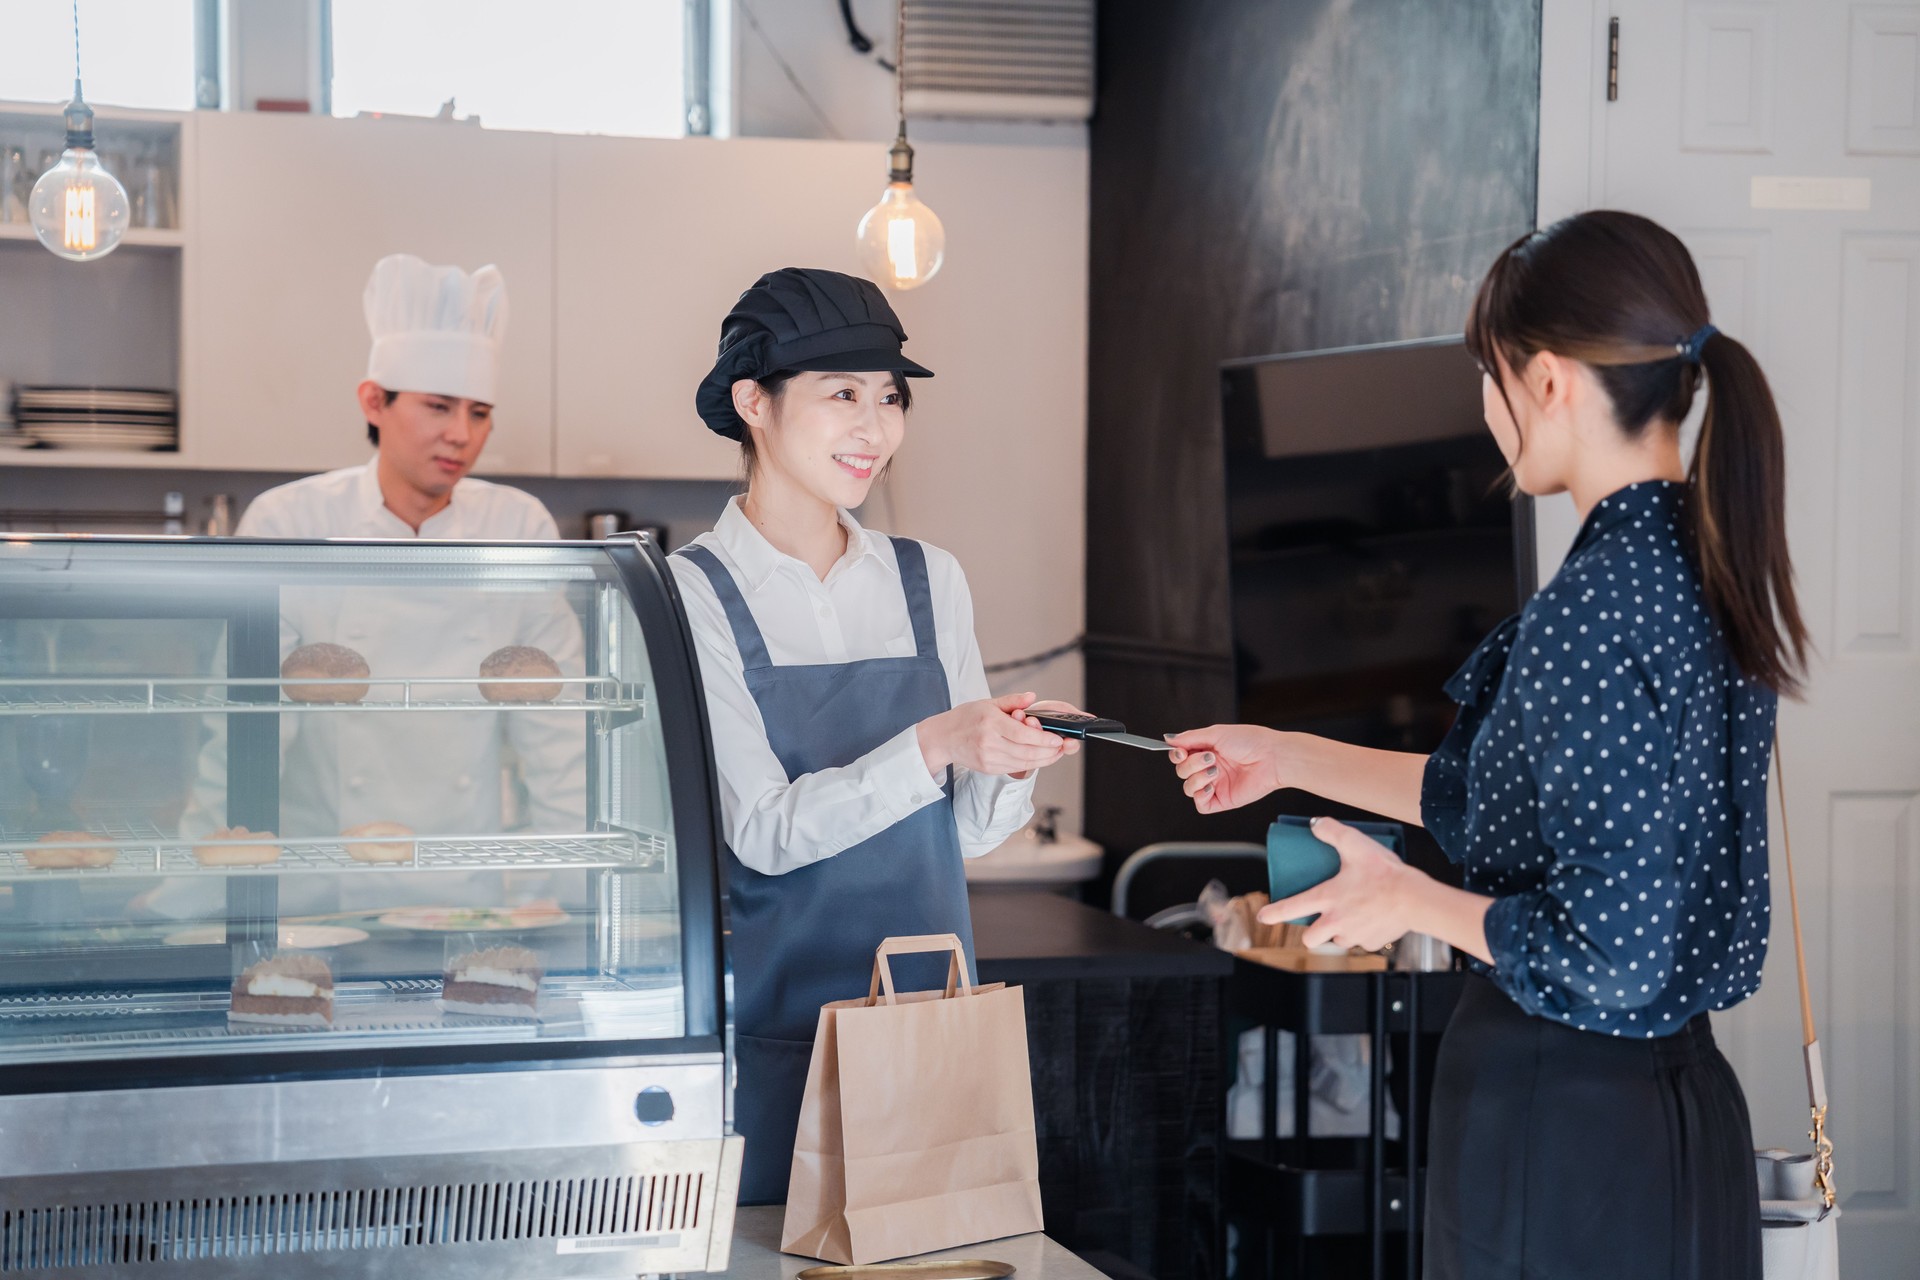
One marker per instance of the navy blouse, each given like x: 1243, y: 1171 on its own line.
x: 1605, y: 782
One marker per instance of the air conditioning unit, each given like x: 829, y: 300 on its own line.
x: 1000, y: 59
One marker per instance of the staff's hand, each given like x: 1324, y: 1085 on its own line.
x: 1053, y: 706
x: 1367, y: 905
x: 1226, y: 766
x: 989, y: 736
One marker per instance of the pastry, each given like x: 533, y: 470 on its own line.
x: 316, y: 661
x: 499, y: 982
x: 64, y: 849
x: 290, y: 990
x: 522, y: 661
x: 237, y: 855
x: 379, y: 842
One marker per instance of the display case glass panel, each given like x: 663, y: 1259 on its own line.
x: 308, y: 796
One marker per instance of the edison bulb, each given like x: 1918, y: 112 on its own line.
x: 78, y: 209
x: 902, y: 243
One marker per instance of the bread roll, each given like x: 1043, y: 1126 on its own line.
x: 523, y: 661
x: 318, y: 661
x: 255, y: 854
x: 61, y: 850
x: 364, y: 847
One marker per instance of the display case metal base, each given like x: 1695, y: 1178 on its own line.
x: 575, y: 1175
x: 581, y: 1212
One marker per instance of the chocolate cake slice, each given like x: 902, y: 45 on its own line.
x: 287, y: 991
x: 499, y: 982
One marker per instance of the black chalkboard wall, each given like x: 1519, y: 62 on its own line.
x: 1268, y: 176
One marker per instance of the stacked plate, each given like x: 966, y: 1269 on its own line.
x: 98, y: 417
x: 11, y: 437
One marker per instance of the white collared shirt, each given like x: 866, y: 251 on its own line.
x: 348, y: 504
x: 775, y: 825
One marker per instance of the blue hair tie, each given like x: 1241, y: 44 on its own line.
x: 1692, y: 349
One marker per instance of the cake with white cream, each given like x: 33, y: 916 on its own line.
x: 498, y: 982
x: 287, y: 991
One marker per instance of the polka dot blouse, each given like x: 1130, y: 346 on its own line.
x: 1606, y: 783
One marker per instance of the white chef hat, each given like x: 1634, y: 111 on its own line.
x: 435, y: 329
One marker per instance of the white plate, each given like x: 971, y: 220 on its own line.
x: 299, y: 937
x: 474, y: 919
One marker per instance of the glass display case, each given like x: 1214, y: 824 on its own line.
x: 356, y: 896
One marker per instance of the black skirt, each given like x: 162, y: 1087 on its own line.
x: 1558, y: 1154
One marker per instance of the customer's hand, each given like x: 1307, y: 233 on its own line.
x: 1227, y: 765
x: 989, y: 736
x: 1369, y: 904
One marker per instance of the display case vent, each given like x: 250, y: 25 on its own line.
x: 622, y: 1211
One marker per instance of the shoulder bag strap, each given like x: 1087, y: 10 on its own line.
x: 1816, y: 1076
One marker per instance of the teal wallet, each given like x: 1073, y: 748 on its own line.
x: 1297, y: 860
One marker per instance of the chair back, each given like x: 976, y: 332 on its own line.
x: 1171, y: 874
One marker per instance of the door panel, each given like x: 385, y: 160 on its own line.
x: 1713, y: 96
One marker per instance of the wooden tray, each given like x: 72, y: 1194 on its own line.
x: 1296, y: 960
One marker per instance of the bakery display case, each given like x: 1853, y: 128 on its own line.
x: 359, y: 905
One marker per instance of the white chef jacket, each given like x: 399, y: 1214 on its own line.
x: 439, y: 773
x: 860, y: 611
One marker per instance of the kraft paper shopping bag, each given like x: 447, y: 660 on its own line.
x: 916, y: 1128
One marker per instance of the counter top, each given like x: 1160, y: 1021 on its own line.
x: 756, y: 1252
x: 1029, y: 937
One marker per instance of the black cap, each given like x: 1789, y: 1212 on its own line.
x: 801, y: 318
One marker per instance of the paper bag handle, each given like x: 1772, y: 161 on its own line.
x: 883, y: 972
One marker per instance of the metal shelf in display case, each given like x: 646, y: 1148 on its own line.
x: 146, y: 854
x: 191, y: 695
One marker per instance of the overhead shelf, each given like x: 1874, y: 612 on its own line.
x: 135, y: 237
x: 145, y: 854
x: 202, y: 695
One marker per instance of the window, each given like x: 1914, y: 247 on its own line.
x: 564, y: 66
x: 133, y: 53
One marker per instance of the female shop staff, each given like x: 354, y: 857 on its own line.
x: 1604, y: 787
x: 860, y: 756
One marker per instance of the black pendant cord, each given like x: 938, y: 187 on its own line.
x: 861, y: 42
x: 900, y: 156
x: 79, y: 116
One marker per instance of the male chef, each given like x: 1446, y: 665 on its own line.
x: 428, y: 402
x: 428, y: 398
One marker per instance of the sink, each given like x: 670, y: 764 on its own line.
x: 1027, y: 863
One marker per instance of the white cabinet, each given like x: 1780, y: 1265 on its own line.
x: 291, y: 214
x: 656, y: 240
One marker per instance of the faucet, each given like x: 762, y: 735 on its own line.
x: 1046, y: 825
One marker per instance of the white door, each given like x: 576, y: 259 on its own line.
x: 1781, y: 140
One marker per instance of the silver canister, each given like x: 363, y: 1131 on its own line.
x: 1422, y: 953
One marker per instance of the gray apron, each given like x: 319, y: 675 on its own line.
x: 807, y: 938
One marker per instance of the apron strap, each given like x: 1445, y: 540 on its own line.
x: 913, y: 579
x: 746, y: 632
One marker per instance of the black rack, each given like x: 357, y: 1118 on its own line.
x: 1304, y: 1189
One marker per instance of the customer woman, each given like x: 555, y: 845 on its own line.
x: 860, y: 756
x: 1603, y: 787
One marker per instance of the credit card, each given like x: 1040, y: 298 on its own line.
x: 1081, y: 725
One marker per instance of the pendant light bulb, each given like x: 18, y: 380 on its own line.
x: 902, y: 243
x: 79, y: 210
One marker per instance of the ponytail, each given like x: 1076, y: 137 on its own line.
x: 1739, y: 482
x: 1620, y: 293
